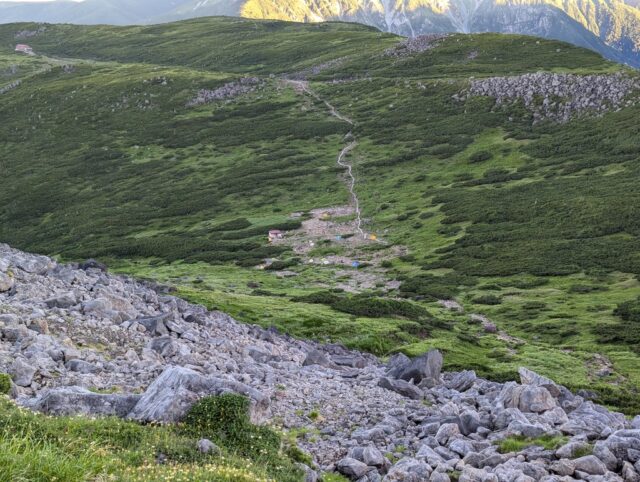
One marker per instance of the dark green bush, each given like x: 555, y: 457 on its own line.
x: 5, y: 384
x: 284, y: 264
x: 585, y: 289
x: 627, y: 330
x: 233, y: 225
x: 487, y: 300
x: 480, y: 156
x: 225, y: 419
x: 369, y: 306
x: 629, y: 311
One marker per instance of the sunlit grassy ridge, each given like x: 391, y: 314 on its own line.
x: 532, y: 226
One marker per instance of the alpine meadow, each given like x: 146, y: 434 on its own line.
x: 341, y: 192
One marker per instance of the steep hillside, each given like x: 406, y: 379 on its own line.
x: 498, y: 203
x: 113, y: 379
x: 611, y: 27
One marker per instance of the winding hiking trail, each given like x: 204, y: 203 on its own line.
x: 352, y: 184
x: 303, y: 87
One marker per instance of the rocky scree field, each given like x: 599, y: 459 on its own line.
x: 500, y: 187
x: 105, y: 355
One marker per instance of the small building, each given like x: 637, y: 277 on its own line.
x: 23, y: 48
x: 275, y: 234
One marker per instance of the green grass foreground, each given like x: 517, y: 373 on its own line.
x: 40, y: 448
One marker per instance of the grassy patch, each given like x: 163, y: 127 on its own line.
x: 518, y: 443
x: 39, y: 448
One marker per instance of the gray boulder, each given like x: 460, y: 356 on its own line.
x: 469, y: 422
x: 397, y: 362
x: 370, y: 456
x: 635, y: 423
x: 426, y: 367
x: 403, y: 388
x: 155, y: 325
x: 6, y: 283
x: 620, y: 442
x: 629, y: 473
x: 81, y: 366
x: 563, y: 467
x: 352, y: 468
x: 469, y: 474
x: 409, y: 470
x: 601, y: 451
x: 207, y: 447
x: 439, y: 477
x: 352, y: 361
x: 64, y: 301
x: 592, y: 420
x: 591, y: 465
x: 172, y: 394
x: 93, y: 264
x: 447, y: 432
x: 316, y: 357
x: 165, y: 346
x: 532, y: 398
x: 568, y: 451
x: 22, y: 373
x: 462, y: 381
x: 80, y: 401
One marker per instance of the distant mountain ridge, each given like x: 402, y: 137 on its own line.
x: 611, y: 27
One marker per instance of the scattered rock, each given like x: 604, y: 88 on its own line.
x: 206, y: 446
x: 22, y: 373
x: 6, y: 283
x: 558, y: 97
x: 171, y: 395
x: 426, y: 367
x: 352, y: 468
x: 405, y: 389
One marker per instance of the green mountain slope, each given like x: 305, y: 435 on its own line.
x: 529, y: 223
x: 611, y: 27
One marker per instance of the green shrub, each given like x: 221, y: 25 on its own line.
x: 629, y: 311
x: 225, y: 419
x: 480, y: 156
x: 233, y: 225
x: 284, y: 264
x: 487, y: 300
x: 585, y: 289
x: 5, y: 384
x: 627, y: 330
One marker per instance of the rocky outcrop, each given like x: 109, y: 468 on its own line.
x: 82, y: 341
x: 171, y: 395
x: 559, y: 97
x: 415, y: 45
x: 228, y: 91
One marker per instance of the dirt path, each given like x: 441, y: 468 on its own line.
x: 303, y: 87
x: 352, y: 185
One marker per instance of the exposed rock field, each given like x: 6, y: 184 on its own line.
x: 560, y: 97
x: 72, y: 332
